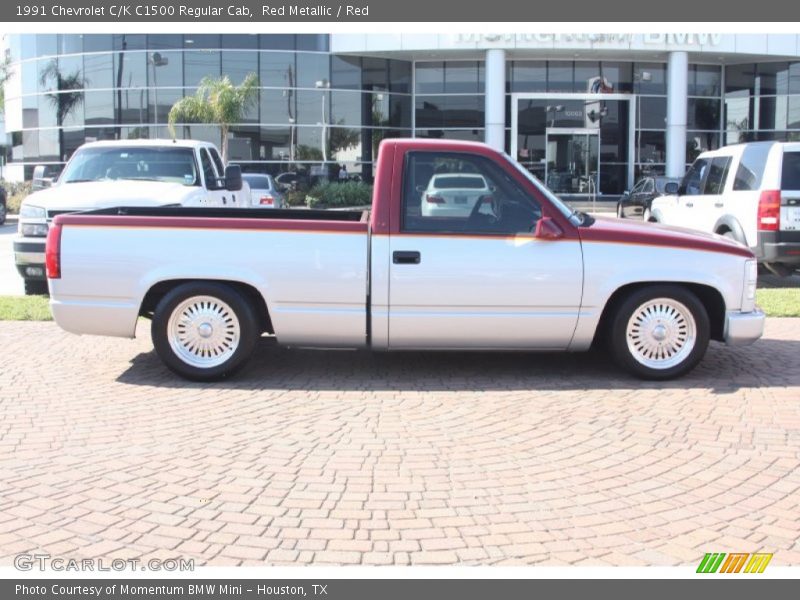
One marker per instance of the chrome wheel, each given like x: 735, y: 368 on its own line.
x: 661, y: 333
x: 203, y: 331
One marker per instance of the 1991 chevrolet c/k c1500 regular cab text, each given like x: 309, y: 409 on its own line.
x: 517, y: 271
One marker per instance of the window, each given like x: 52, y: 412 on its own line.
x: 751, y: 167
x: 648, y: 187
x: 208, y: 171
x: 464, y: 193
x: 715, y: 182
x: 638, y: 187
x: 790, y: 173
x: 692, y: 184
x: 217, y: 161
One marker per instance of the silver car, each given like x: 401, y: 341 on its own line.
x: 263, y: 191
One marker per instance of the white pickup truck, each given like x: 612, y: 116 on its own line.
x: 130, y: 173
x: 518, y: 271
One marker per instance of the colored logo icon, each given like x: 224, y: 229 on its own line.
x: 741, y: 562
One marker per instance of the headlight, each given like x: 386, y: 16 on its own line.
x: 33, y: 229
x: 27, y: 211
x: 749, y: 290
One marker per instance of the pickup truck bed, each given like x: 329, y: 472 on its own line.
x: 316, y: 282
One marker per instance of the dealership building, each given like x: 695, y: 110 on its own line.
x: 587, y: 113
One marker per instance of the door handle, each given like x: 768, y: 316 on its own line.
x: 718, y: 204
x: 406, y: 257
x: 689, y: 204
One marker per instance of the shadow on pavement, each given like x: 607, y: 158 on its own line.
x: 767, y: 363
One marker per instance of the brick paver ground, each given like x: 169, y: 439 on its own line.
x: 353, y: 458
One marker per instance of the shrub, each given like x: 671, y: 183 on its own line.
x: 336, y: 195
x: 295, y: 198
x: 16, y: 192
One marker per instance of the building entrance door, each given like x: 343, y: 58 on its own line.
x: 572, y: 161
x: 579, y: 145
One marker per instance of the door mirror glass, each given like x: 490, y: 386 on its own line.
x: 233, y: 178
x: 671, y: 188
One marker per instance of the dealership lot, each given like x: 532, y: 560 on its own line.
x: 353, y: 458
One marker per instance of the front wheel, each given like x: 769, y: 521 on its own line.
x: 659, y: 332
x: 204, y: 331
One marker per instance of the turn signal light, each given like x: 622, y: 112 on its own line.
x: 434, y: 200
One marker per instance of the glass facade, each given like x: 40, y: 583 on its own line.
x: 314, y: 110
x: 762, y: 102
x: 571, y: 120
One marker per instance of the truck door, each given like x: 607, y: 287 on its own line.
x: 468, y: 272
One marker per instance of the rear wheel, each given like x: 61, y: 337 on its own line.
x: 659, y: 332
x: 204, y: 331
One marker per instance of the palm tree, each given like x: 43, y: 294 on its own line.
x: 216, y: 101
x: 66, y: 96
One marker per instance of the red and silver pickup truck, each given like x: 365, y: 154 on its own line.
x: 510, y: 267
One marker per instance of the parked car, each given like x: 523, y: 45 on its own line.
x: 454, y: 194
x: 637, y: 201
x: 291, y: 180
x: 532, y: 275
x: 130, y: 173
x: 263, y: 191
x: 3, y: 205
x: 747, y: 192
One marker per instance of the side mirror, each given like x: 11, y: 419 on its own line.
x: 547, y: 229
x: 671, y: 188
x: 233, y: 178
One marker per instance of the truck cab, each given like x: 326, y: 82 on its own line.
x: 129, y: 172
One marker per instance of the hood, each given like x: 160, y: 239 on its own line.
x: 106, y: 194
x: 625, y: 231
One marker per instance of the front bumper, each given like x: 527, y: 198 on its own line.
x: 743, y: 328
x: 29, y: 257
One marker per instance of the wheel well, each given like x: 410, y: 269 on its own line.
x: 162, y: 288
x: 723, y: 229
x: 712, y: 301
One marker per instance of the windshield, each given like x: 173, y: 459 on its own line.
x: 456, y: 182
x: 555, y: 200
x: 258, y: 182
x: 167, y: 164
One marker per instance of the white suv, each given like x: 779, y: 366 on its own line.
x: 748, y: 192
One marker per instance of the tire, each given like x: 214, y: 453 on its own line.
x: 2, y: 214
x: 646, y: 216
x: 204, y: 331
x: 36, y: 287
x: 620, y: 214
x: 645, y: 323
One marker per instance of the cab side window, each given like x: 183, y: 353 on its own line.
x: 717, y: 174
x: 464, y: 193
x: 692, y: 184
x: 648, y: 186
x: 217, y: 161
x: 212, y: 182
